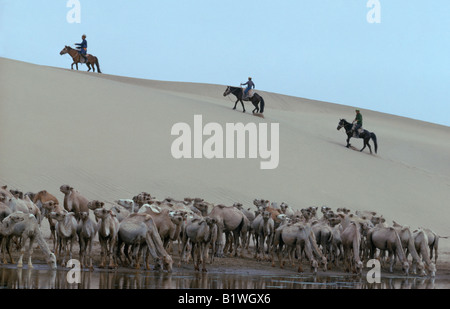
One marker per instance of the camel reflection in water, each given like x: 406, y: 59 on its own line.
x: 13, y: 278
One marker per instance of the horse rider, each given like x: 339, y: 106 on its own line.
x: 83, y: 48
x: 250, y: 85
x: 358, y: 122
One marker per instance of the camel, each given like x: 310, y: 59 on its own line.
x: 107, y: 236
x: 5, y: 192
x: 200, y: 232
x: 297, y: 237
x: 433, y: 243
x: 323, y: 233
x: 40, y: 199
x: 120, y: 211
x: 351, y: 241
x: 128, y: 204
x: 87, y: 229
x: 407, y: 240
x: 74, y: 201
x: 421, y: 245
x: 229, y: 220
x: 169, y: 223
x: 336, y: 248
x: 66, y: 232
x: 49, y: 207
x: 264, y: 228
x: 387, y: 239
x: 4, y: 209
x: 26, y: 227
x: 285, y: 209
x: 139, y: 230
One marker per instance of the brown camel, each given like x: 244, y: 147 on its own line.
x: 74, y: 201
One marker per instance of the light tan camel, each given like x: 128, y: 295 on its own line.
x: 421, y: 244
x: 169, y: 223
x: 351, y: 242
x: 120, y: 211
x: 433, y: 242
x: 87, y: 229
x: 26, y: 227
x: 107, y: 236
x: 200, y: 232
x: 49, y: 207
x: 66, y: 234
x: 297, y: 237
x: 74, y: 201
x: 230, y: 220
x: 139, y: 231
x: 387, y: 239
x: 407, y: 239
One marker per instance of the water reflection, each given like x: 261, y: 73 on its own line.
x: 41, y: 278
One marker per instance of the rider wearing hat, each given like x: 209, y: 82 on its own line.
x: 83, y: 47
x: 250, y: 85
x: 358, y: 122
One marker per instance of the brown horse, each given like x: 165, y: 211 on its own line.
x: 75, y: 54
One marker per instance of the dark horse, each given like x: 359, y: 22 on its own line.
x: 75, y: 54
x: 239, y: 93
x: 366, y: 135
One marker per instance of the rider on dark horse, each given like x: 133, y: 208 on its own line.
x: 83, y: 48
x: 357, y: 123
x: 250, y: 85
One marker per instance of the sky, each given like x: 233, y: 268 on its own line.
x: 317, y: 49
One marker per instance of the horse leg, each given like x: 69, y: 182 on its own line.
x: 89, y: 66
x: 242, y: 103
x: 235, y: 104
x: 72, y: 66
x: 348, y: 141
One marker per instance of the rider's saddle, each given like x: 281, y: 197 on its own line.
x: 249, y: 95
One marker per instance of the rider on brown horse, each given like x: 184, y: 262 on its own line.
x: 83, y: 48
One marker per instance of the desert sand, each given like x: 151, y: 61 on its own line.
x: 110, y: 137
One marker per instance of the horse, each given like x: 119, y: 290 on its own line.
x: 366, y: 135
x: 256, y: 99
x: 75, y: 54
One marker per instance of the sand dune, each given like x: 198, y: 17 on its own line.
x: 110, y: 137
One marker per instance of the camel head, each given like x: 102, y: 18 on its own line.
x: 8, y: 224
x: 50, y: 205
x: 52, y: 261
x: 359, y: 267
x: 405, y: 267
x: 102, y: 213
x: 432, y: 269
x: 266, y: 216
x: 176, y: 217
x: 93, y: 205
x: 167, y: 263
x: 60, y: 215
x: 16, y: 193
x: 84, y: 216
x: 66, y: 189
x: 314, y: 266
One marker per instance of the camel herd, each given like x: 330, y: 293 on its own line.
x: 130, y: 231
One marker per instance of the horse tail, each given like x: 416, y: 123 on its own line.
x: 98, y: 65
x: 374, y: 138
x: 261, y: 106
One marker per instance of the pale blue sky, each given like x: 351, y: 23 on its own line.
x: 317, y: 49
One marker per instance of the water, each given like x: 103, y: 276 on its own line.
x: 41, y: 277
